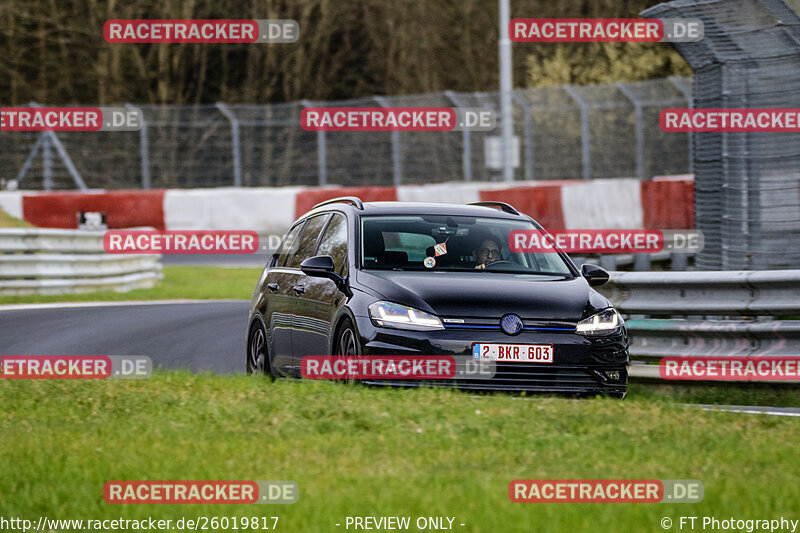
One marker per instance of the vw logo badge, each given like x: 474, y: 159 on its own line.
x: 511, y: 324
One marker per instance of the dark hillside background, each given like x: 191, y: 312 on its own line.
x: 53, y: 52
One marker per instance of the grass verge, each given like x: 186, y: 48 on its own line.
x: 180, y: 282
x: 357, y: 451
x: 7, y: 221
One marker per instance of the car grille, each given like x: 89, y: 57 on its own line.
x: 528, y: 377
x: 493, y: 324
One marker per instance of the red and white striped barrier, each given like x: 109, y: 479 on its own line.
x: 11, y: 203
x: 621, y: 203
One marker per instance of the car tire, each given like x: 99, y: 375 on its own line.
x: 257, y: 355
x: 346, y: 344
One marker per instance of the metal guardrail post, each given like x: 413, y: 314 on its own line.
x: 638, y: 128
x: 144, y: 147
x: 397, y: 169
x: 641, y: 262
x: 608, y: 261
x: 466, y: 140
x: 586, y: 156
x: 528, y: 125
x: 235, y: 144
x: 678, y: 262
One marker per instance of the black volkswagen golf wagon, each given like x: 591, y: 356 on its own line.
x: 425, y: 279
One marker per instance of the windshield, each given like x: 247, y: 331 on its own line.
x: 450, y: 243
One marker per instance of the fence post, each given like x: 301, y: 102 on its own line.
x: 639, y: 128
x: 526, y: 108
x: 586, y: 156
x: 47, y: 164
x: 397, y: 169
x: 322, y: 158
x: 322, y: 151
x: 31, y: 156
x: 678, y: 83
x: 235, y: 145
x: 46, y: 139
x: 62, y: 153
x: 466, y: 139
x: 144, y: 147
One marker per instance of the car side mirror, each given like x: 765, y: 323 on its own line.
x: 595, y: 275
x: 322, y: 266
x: 319, y: 266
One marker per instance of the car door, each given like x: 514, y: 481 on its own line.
x: 303, y: 302
x: 317, y: 306
x: 279, y: 296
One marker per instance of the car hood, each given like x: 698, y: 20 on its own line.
x: 487, y: 295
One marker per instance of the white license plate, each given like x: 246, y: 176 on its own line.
x: 513, y: 353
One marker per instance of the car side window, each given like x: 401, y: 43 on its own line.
x: 334, y: 243
x: 288, y: 245
x: 307, y: 242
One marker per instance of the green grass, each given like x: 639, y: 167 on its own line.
x: 7, y: 221
x: 180, y: 282
x: 732, y: 393
x: 358, y: 451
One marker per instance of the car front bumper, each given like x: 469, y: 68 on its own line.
x: 580, y: 363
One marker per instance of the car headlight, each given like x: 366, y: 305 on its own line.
x: 602, y: 322
x: 391, y: 315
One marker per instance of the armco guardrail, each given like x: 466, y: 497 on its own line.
x: 701, y: 299
x: 54, y: 261
x: 639, y: 262
x: 726, y: 293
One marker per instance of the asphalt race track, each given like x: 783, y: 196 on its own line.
x: 198, y: 336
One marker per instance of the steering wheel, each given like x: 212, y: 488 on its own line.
x: 499, y: 262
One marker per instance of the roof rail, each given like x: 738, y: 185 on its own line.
x: 508, y: 208
x: 354, y: 200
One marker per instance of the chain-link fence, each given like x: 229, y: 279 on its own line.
x: 747, y: 184
x: 566, y: 132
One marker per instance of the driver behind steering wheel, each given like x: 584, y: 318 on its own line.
x: 487, y: 252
